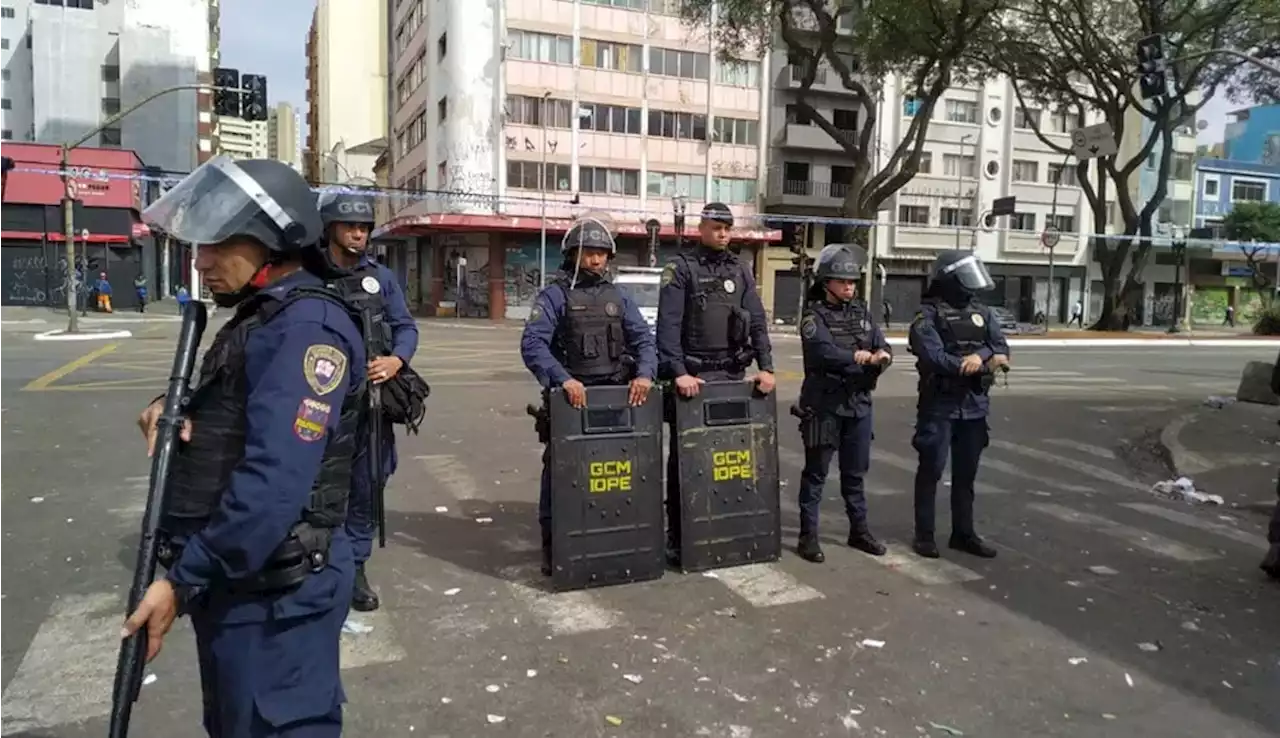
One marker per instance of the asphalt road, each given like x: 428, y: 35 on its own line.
x: 1109, y: 612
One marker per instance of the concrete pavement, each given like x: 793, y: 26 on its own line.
x: 1109, y: 612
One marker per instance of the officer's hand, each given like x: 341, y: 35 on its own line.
x: 157, y: 611
x: 972, y: 364
x: 148, y: 420
x: 688, y: 385
x: 999, y: 361
x: 861, y: 357
x: 765, y: 382
x: 576, y: 393
x: 639, y: 390
x: 882, y: 357
x: 384, y: 367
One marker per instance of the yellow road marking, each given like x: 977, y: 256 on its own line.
x: 43, y: 382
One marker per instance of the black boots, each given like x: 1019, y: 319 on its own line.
x: 861, y: 539
x: 924, y: 546
x: 1271, y: 564
x: 363, y: 598
x: 809, y: 550
x: 972, y: 544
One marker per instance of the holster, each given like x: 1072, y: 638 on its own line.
x: 541, y: 415
x: 305, y: 551
x: 817, y: 430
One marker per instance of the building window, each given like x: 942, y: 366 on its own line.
x: 1064, y: 122
x: 6, y: 104
x: 4, y: 74
x: 1025, y: 171
x: 524, y: 175
x: 913, y: 214
x: 733, y: 190
x: 1064, y: 175
x: 1211, y: 187
x: 110, y: 73
x: 442, y: 109
x: 1183, y: 164
x: 442, y: 46
x: 662, y: 184
x: 602, y: 181
x: 911, y: 106
x: 6, y: 135
x: 738, y: 73
x: 611, y: 119
x: 1026, y: 119
x: 529, y: 111
x: 674, y: 63
x: 954, y: 165
x: 1064, y: 223
x: 955, y: 217
x: 110, y: 106
x: 926, y: 162
x: 680, y: 126
x: 962, y: 111
x: 7, y: 12
x: 110, y: 137
x: 845, y: 120
x: 737, y: 131
x: 1246, y: 191
x: 541, y: 47
x: 797, y: 116
x: 4, y: 43
x: 610, y: 55
x: 1022, y: 222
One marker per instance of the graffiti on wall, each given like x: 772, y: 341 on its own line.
x: 466, y: 277
x: 523, y: 274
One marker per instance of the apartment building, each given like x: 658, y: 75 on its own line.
x: 242, y: 139
x: 282, y: 135
x: 346, y: 90
x: 503, y: 112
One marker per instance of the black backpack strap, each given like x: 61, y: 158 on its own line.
x: 269, y: 308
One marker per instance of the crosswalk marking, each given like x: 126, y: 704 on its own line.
x: 766, y: 585
x: 377, y: 646
x: 564, y: 613
x: 1088, y: 448
x: 452, y: 474
x: 1187, y: 519
x: 929, y: 572
x: 1134, y: 536
x: 67, y: 672
x: 1088, y: 470
x: 1039, y: 480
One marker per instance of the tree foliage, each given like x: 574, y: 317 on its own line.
x: 922, y: 42
x: 1080, y: 56
x: 1255, y: 227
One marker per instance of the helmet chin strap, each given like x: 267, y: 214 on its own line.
x: 259, y: 280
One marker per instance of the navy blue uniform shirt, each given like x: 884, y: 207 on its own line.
x: 543, y: 355
x: 404, y: 329
x: 298, y: 369
x: 823, y: 356
x: 676, y: 278
x: 932, y: 358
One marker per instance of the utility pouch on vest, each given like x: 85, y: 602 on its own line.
x: 541, y: 415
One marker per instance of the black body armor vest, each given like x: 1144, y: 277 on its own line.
x: 850, y: 329
x: 716, y: 325
x: 963, y: 330
x: 352, y: 289
x: 591, y: 333
x: 201, y: 468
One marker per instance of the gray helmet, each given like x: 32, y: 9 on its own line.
x: 961, y: 269
x: 840, y: 261
x: 592, y: 230
x: 263, y: 199
x: 338, y: 206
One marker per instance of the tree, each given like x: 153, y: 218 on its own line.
x: 1080, y: 57
x: 861, y: 42
x: 1255, y: 227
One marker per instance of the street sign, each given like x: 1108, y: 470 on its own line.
x: 1004, y: 205
x: 1093, y: 142
x: 1050, y: 237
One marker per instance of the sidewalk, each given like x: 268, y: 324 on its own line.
x: 1233, y: 451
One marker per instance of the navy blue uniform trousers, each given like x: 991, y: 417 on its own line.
x: 934, y: 439
x: 854, y: 457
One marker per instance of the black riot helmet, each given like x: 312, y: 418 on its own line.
x: 344, y: 206
x: 260, y: 198
x: 958, y: 274
x: 840, y: 261
x: 591, y: 230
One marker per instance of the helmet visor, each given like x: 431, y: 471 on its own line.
x: 214, y: 203
x: 971, y: 274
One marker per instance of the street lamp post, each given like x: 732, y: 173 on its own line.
x: 678, y: 205
x: 68, y: 187
x: 1179, y: 249
x: 542, y: 173
x: 960, y: 181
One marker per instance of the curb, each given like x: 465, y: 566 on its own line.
x: 1153, y: 343
x: 61, y: 335
x: 1186, y: 463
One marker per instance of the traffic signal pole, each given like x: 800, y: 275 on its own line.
x: 68, y: 201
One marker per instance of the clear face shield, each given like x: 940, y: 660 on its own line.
x: 214, y: 203
x: 971, y: 274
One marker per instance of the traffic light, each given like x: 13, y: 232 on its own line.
x: 1152, y: 66
x: 226, y: 103
x: 801, y: 259
x: 254, y: 100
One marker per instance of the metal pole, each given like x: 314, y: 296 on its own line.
x: 542, y: 249
x: 960, y: 183
x: 1232, y: 52
x: 1053, y: 216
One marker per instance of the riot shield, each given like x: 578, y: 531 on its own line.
x: 606, y: 489
x: 727, y: 457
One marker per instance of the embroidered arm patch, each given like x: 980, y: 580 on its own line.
x: 313, y: 418
x: 323, y: 367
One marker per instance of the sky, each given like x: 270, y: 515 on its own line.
x: 271, y: 37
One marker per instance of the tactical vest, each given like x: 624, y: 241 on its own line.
x: 713, y: 325
x: 850, y: 329
x: 591, y: 334
x: 201, y: 469
x: 352, y: 289
x: 963, y: 330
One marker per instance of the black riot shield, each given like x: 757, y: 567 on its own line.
x: 727, y: 456
x: 606, y: 489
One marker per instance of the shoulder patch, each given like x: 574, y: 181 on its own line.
x: 535, y: 314
x: 668, y: 273
x: 919, y: 317
x: 808, y: 326
x: 323, y: 367
x: 312, y: 420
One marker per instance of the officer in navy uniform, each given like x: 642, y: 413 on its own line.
x: 1271, y: 562
x: 958, y: 346
x: 711, y: 325
x: 844, y: 355
x: 583, y: 331
x: 348, y: 218
x: 252, y: 534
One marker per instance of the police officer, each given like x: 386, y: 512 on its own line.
x: 252, y: 534
x: 583, y: 331
x: 958, y: 345
x: 348, y: 217
x: 844, y: 354
x: 1271, y: 563
x: 711, y: 325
